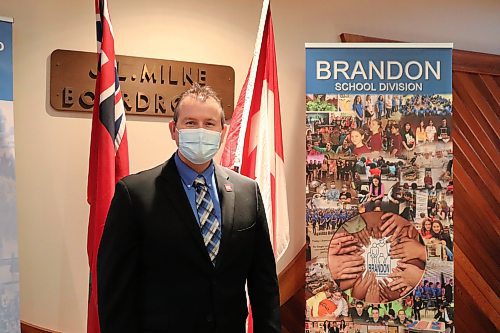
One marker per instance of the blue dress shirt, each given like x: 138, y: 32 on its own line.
x: 188, y: 176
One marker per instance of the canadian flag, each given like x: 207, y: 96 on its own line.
x: 254, y: 144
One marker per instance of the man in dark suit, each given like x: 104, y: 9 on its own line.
x: 448, y: 291
x: 375, y: 318
x: 182, y: 239
x: 359, y: 313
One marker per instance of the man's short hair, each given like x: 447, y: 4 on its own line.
x: 200, y: 93
x: 359, y: 303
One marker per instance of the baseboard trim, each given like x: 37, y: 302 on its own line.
x: 30, y: 328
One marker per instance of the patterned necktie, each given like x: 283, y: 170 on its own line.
x: 209, y: 224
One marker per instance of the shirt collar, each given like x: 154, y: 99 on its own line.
x: 188, y: 175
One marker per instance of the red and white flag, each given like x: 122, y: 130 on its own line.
x: 254, y: 142
x: 108, y: 161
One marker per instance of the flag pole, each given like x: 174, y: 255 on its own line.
x: 250, y: 86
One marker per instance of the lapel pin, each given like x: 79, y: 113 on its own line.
x: 228, y: 187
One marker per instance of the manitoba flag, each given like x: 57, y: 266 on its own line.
x: 254, y: 144
x: 108, y: 160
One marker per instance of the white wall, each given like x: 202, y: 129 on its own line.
x: 52, y: 147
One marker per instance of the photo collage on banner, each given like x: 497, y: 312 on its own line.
x: 9, y: 268
x: 379, y: 188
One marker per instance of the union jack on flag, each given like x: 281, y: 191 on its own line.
x: 108, y: 161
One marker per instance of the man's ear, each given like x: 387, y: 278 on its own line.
x: 171, y: 127
x: 223, y: 133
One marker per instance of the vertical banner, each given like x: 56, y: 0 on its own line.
x: 9, y: 268
x: 379, y: 188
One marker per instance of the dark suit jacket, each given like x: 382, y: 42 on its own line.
x: 357, y: 318
x: 153, y: 270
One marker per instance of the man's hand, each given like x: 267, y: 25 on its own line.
x: 373, y: 293
x: 361, y: 285
x: 386, y: 294
x: 375, y: 232
x: 346, y: 266
x: 393, y: 224
x: 406, y: 277
x: 343, y: 243
x: 407, y: 249
x: 363, y: 236
x: 412, y: 232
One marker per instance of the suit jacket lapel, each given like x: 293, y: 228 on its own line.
x: 174, y: 189
x: 226, y: 198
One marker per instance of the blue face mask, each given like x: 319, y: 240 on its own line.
x: 198, y: 145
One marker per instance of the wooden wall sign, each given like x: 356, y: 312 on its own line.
x: 150, y: 86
